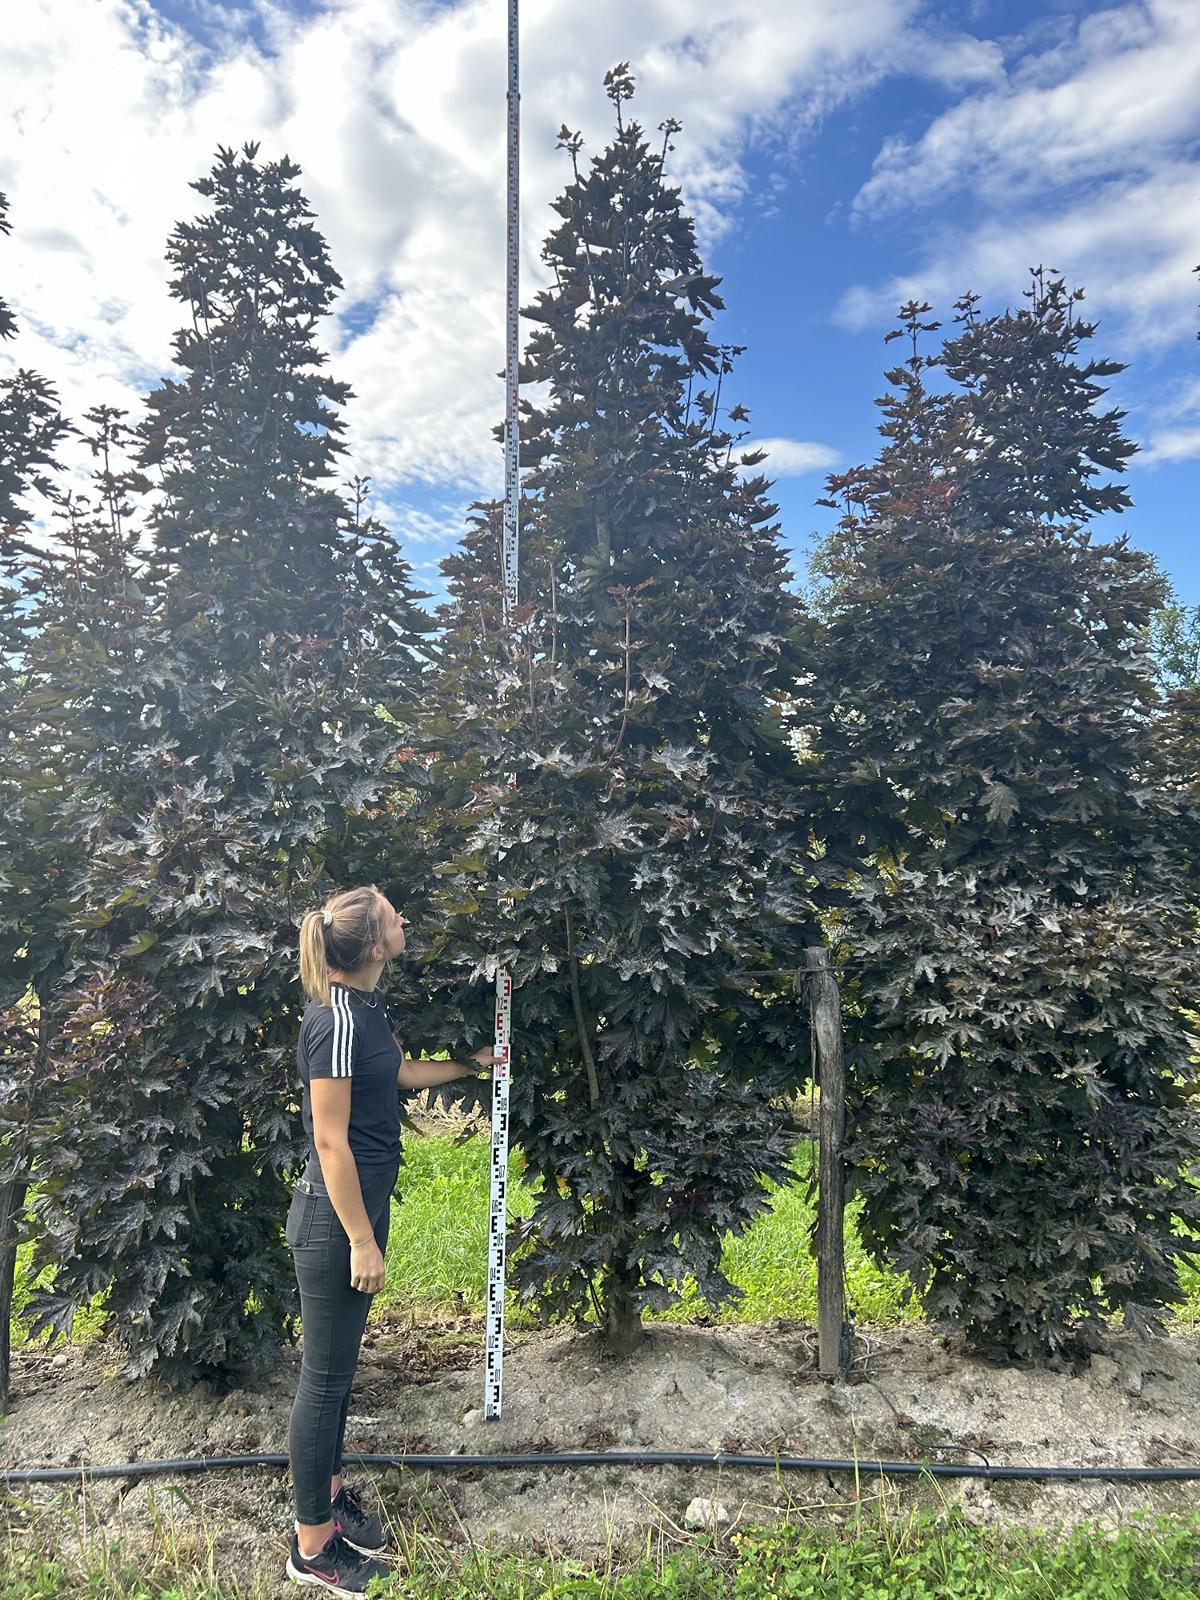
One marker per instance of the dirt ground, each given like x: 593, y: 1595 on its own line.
x: 912, y: 1393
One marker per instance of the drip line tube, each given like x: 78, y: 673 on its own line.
x: 617, y: 1458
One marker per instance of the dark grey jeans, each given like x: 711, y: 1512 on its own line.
x: 333, y: 1315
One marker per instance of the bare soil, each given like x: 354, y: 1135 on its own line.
x: 912, y: 1394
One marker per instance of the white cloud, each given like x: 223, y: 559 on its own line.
x: 1082, y: 158
x: 1132, y: 244
x: 1120, y: 95
x: 1175, y: 444
x: 955, y: 63
x: 1171, y: 426
x: 1178, y: 399
x: 791, y: 458
x: 394, y: 109
x: 438, y: 528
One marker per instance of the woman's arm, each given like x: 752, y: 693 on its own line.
x: 331, y: 1123
x: 419, y: 1073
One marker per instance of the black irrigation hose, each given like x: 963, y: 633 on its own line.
x: 604, y: 1458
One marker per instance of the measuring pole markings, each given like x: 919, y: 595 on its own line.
x: 498, y: 1206
x: 493, y: 1379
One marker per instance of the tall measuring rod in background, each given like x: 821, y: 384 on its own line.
x: 493, y: 1381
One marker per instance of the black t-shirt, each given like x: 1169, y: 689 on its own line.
x: 350, y: 1038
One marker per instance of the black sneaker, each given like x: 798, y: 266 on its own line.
x: 356, y: 1524
x: 337, y: 1568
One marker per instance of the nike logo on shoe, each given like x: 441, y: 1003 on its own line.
x: 324, y: 1576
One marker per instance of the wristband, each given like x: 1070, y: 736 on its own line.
x: 355, y: 1243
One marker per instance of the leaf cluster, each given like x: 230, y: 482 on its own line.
x: 989, y: 748
x: 204, y: 727
x: 647, y: 876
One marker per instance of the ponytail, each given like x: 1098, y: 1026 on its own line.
x: 339, y: 935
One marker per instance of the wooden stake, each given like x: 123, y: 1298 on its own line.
x: 830, y: 1067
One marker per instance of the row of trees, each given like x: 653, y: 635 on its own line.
x: 222, y: 698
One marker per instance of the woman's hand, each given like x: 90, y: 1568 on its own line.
x: 366, y: 1266
x: 420, y: 1073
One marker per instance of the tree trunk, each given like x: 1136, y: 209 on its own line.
x: 12, y: 1201
x: 623, y: 1331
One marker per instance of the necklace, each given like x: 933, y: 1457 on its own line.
x: 358, y: 994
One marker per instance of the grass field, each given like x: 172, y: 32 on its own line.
x: 437, y: 1260
x: 437, y: 1254
x: 915, y: 1557
x: 430, y: 1263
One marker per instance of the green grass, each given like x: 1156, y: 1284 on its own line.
x: 924, y: 1554
x: 437, y: 1261
x: 437, y: 1254
x: 88, y: 1321
x: 438, y: 1246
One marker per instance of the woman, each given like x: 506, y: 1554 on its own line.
x: 351, y: 1066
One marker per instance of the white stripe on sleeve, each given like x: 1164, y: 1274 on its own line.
x: 343, y: 1032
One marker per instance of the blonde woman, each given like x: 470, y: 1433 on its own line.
x: 351, y: 1068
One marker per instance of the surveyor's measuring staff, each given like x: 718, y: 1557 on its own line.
x: 493, y: 1381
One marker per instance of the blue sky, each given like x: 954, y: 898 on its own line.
x: 836, y: 163
x: 806, y: 375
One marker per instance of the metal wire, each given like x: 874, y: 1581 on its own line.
x: 856, y: 1465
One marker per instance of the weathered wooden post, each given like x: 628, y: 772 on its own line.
x: 830, y: 1070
